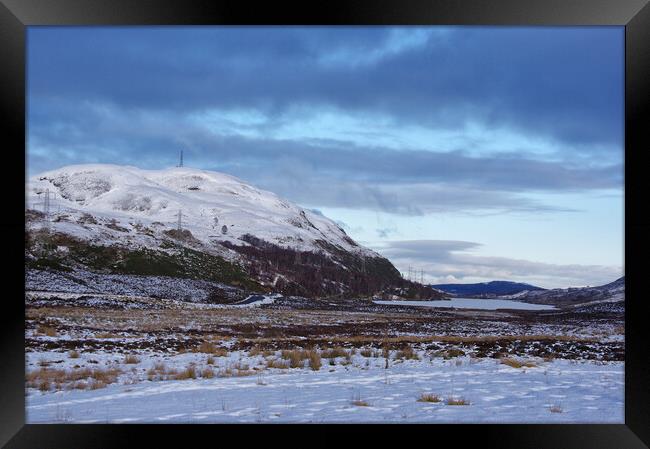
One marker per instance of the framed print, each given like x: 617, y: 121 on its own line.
x: 428, y: 215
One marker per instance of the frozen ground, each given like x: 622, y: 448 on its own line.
x: 286, y: 359
x: 558, y: 391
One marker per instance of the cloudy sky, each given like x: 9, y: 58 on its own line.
x: 470, y: 153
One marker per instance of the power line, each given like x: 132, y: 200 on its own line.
x: 46, y: 207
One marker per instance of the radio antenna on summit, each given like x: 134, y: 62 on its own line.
x: 180, y: 164
x: 180, y: 220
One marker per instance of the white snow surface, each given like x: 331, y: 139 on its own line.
x: 560, y: 391
x: 135, y: 196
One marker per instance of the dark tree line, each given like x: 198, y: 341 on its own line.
x: 316, y: 274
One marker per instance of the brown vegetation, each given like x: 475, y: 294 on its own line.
x: 429, y: 397
x: 456, y: 401
x: 515, y: 363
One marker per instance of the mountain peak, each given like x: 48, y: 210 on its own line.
x: 211, y: 205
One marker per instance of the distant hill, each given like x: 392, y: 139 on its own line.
x: 486, y: 289
x: 611, y: 293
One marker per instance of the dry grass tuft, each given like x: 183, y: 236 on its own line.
x: 429, y: 397
x: 297, y: 357
x: 334, y: 353
x: 73, y: 354
x: 555, y: 409
x: 255, y: 350
x: 46, y: 330
x: 131, y: 359
x: 406, y: 353
x: 367, y: 353
x: 161, y: 372
x: 107, y: 335
x: 207, y: 373
x: 514, y: 363
x: 314, y: 360
x: 360, y: 403
x: 45, y: 378
x: 188, y: 373
x: 210, y: 360
x: 456, y: 401
x: 275, y: 363
x: 208, y: 347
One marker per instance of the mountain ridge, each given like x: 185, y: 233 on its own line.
x: 196, y: 224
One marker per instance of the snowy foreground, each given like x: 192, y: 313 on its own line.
x: 558, y: 391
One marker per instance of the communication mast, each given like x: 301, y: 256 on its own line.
x: 180, y: 220
x: 180, y: 164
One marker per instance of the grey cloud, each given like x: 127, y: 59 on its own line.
x: 443, y: 260
x: 323, y: 173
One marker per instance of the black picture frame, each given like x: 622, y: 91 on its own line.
x: 634, y: 15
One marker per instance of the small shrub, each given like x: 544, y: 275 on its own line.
x: 207, y: 373
x: 429, y: 397
x: 73, y: 354
x: 555, y: 409
x: 210, y: 360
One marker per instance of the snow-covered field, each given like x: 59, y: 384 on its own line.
x: 558, y: 391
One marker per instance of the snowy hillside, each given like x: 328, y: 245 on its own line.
x: 195, y: 224
x: 207, y: 201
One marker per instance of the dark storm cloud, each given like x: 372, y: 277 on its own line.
x: 562, y: 83
x: 133, y: 95
x: 318, y: 173
x: 135, y: 137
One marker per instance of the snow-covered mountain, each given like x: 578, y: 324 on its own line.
x: 192, y: 223
x: 206, y: 200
